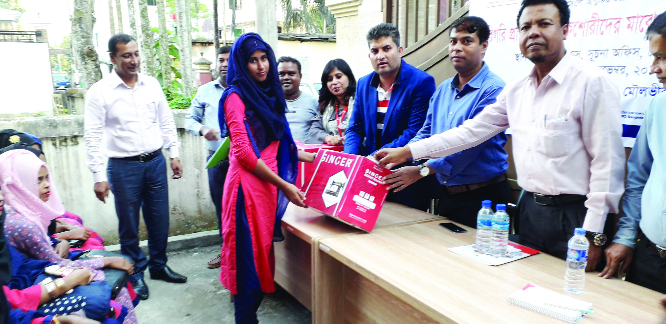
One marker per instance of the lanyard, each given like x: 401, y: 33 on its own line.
x: 338, y: 118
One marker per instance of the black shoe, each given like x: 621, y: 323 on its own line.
x: 167, y: 275
x: 140, y: 288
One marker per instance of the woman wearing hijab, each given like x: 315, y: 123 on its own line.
x: 262, y: 169
x: 31, y: 202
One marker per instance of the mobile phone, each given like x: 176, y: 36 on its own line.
x: 453, y: 227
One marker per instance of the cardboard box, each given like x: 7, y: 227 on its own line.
x: 305, y: 169
x: 347, y: 187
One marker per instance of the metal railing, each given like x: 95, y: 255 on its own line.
x: 415, y: 19
x: 19, y: 36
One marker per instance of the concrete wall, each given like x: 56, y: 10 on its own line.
x: 191, y: 208
x: 353, y: 20
x: 312, y: 55
x: 26, y: 84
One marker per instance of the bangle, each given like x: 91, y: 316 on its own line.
x: 60, y: 282
x: 55, y: 320
x: 50, y: 287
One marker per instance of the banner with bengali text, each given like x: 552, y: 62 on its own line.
x: 607, y: 33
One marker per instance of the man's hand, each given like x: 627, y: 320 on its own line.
x: 62, y: 248
x: 102, y: 190
x: 617, y: 253
x: 177, y: 168
x: 593, y: 257
x: 210, y: 134
x: 402, y: 178
x: 390, y: 157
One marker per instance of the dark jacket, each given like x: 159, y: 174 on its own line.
x: 404, y: 117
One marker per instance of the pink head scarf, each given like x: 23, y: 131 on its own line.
x: 19, y: 170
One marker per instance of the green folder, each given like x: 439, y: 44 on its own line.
x: 222, y: 153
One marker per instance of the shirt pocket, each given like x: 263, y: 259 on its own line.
x: 557, y: 138
x: 148, y: 112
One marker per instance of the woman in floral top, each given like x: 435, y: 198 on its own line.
x: 336, y: 100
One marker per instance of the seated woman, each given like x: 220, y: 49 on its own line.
x: 31, y: 203
x: 336, y: 100
x: 69, y: 226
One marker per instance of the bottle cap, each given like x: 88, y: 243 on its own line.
x: 500, y: 207
x: 579, y: 231
x: 486, y: 203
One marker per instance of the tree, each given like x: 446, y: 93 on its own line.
x: 131, y: 10
x: 85, y: 57
x: 313, y: 17
x: 119, y: 9
x: 147, y: 41
x: 185, y: 41
x: 216, y: 28
x: 165, y: 58
x: 63, y: 61
x: 112, y: 25
x: 11, y: 5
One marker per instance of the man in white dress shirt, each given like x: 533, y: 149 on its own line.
x: 567, y: 142
x: 128, y: 119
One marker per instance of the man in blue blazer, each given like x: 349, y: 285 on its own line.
x: 390, y: 107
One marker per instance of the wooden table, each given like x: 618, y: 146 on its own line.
x: 303, y: 227
x: 407, y: 275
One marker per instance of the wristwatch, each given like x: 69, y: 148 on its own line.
x: 424, y: 170
x: 598, y: 239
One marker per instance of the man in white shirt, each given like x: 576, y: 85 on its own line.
x: 567, y: 144
x: 128, y: 118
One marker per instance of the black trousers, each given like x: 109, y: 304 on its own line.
x: 463, y: 207
x: 647, y: 269
x: 4, y: 308
x: 417, y: 195
x: 549, y: 228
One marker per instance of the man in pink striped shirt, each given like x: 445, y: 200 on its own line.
x: 567, y: 141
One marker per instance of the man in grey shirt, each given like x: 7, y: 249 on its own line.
x: 202, y: 121
x: 301, y: 106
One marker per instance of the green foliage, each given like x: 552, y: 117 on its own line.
x: 194, y: 13
x: 39, y: 114
x: 65, y: 59
x: 11, y: 5
x: 176, y: 99
x: 313, y: 16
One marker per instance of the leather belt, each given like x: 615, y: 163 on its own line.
x: 145, y: 157
x: 555, y: 200
x: 472, y: 186
x: 660, y: 249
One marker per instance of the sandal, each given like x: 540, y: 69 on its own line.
x: 215, y: 263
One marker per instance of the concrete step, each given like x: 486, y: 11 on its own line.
x: 180, y: 242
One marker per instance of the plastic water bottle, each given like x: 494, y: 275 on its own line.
x: 484, y: 228
x: 574, y: 278
x: 500, y: 226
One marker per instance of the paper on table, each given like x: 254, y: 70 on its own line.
x: 548, y: 302
x: 514, y: 252
x: 221, y: 154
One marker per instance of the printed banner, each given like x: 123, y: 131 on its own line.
x: 608, y: 33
